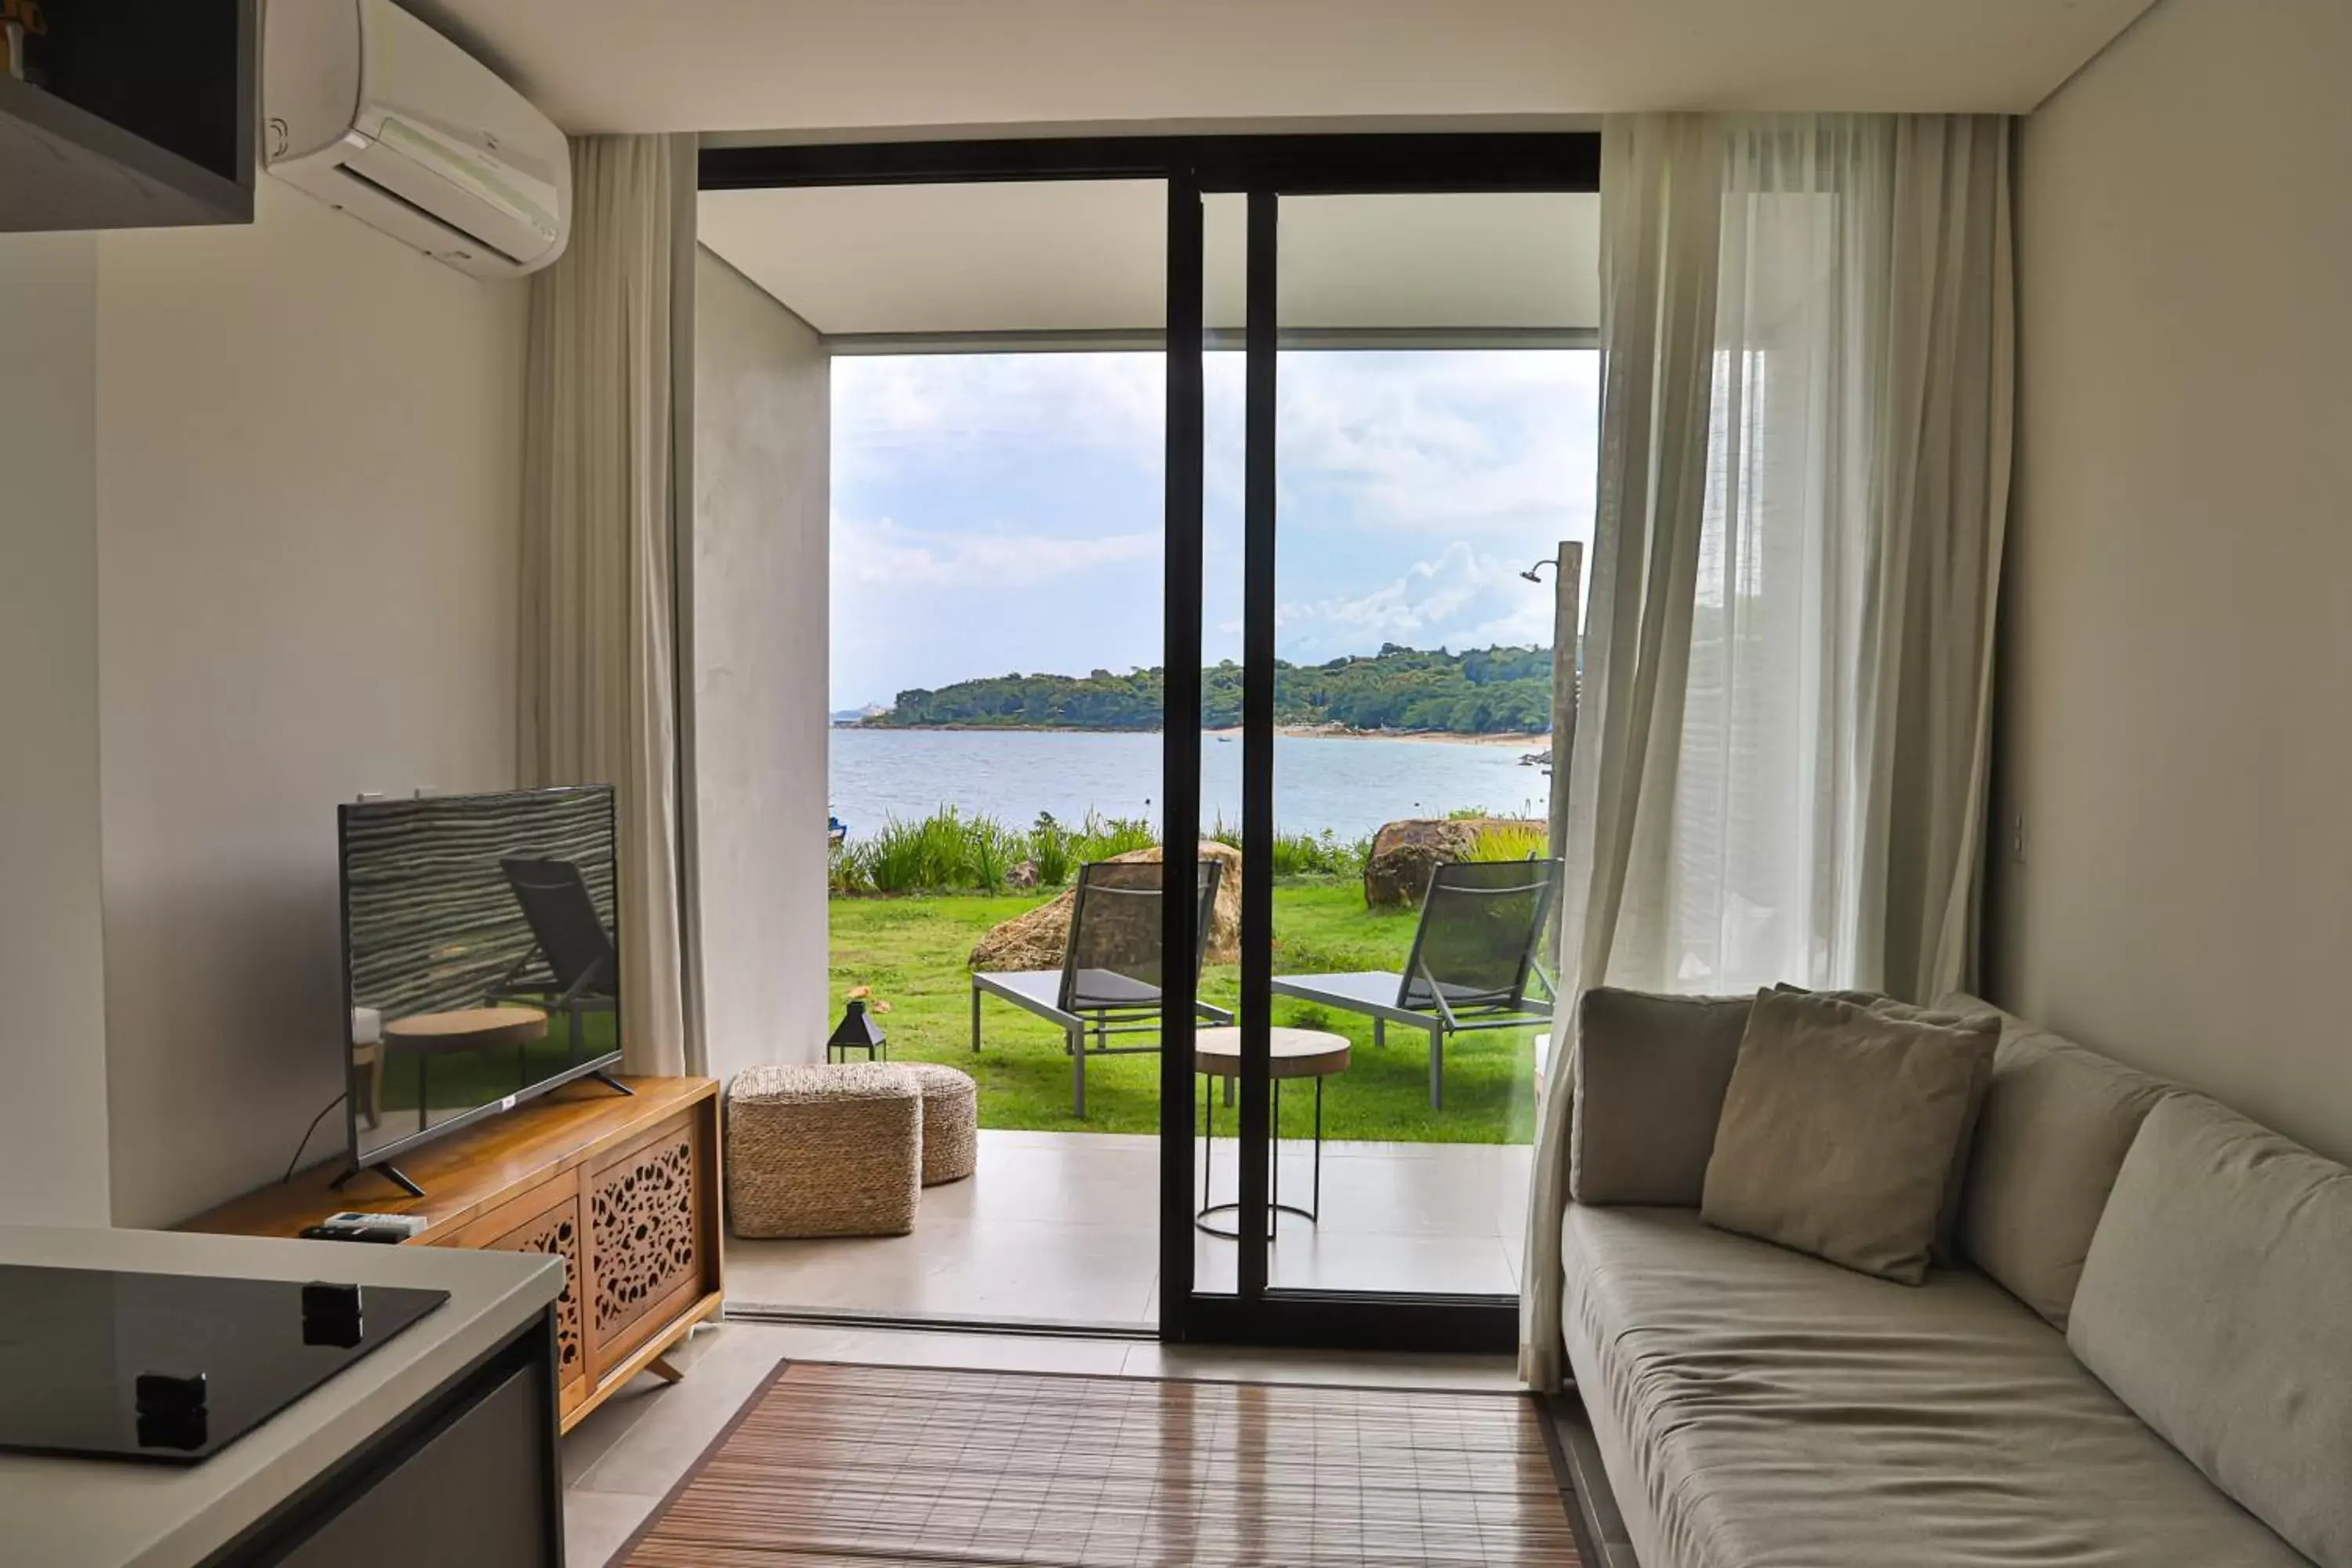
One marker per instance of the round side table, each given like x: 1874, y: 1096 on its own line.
x: 1291, y: 1054
x: 427, y: 1034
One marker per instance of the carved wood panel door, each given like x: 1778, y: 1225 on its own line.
x: 558, y: 1233
x: 647, y: 1251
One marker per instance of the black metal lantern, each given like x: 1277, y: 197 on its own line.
x: 857, y: 1031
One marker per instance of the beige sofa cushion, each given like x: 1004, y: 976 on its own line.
x: 1650, y: 1076
x: 2056, y: 1123
x: 1839, y: 1130
x: 1757, y: 1409
x: 2216, y: 1302
x: 1948, y: 1216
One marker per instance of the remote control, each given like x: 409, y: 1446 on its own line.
x: 376, y: 1233
x: 407, y: 1225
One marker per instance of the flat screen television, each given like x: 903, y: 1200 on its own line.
x: 481, y: 963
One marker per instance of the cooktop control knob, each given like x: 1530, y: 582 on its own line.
x: 168, y: 1393
x: 322, y: 1299
x: 331, y: 1315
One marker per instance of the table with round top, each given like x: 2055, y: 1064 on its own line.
x: 427, y: 1034
x: 1291, y: 1054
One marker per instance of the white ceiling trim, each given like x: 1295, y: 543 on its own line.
x: 866, y: 64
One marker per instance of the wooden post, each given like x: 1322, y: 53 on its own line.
x: 1565, y: 660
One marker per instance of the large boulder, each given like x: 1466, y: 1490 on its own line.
x: 1037, y: 940
x: 1406, y: 854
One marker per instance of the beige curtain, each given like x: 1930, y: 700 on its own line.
x: 1660, y: 208
x: 1806, y: 401
x: 1944, y: 417
x: 599, y: 639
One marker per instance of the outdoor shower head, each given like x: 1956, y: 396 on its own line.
x: 1535, y: 572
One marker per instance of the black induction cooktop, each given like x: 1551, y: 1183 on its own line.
x: 174, y: 1367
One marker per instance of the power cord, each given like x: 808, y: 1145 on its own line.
x: 305, y: 1135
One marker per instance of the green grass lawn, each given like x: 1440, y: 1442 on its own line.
x: 914, y: 950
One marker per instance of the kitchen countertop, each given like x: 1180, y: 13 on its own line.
x: 101, y: 1513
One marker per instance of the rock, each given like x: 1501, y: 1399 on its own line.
x: 1405, y: 854
x: 1037, y: 940
x: 1023, y: 875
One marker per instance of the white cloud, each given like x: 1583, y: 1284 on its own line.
x: 882, y: 555
x: 1488, y: 444
x: 1461, y: 599
x: 886, y: 405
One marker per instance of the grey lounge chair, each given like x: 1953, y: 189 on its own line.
x: 572, y: 967
x: 1109, y: 980
x: 1472, y: 961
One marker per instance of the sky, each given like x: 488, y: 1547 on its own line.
x: 1001, y: 513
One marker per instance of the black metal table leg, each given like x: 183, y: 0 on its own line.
x: 1275, y: 1208
x: 1317, y: 1197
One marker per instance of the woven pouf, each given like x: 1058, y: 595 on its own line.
x: 950, y: 1123
x: 824, y: 1150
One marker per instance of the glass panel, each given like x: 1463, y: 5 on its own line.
x: 997, y: 565
x: 1437, y: 415
x: 1216, y: 1107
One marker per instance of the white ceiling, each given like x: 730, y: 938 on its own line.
x: 813, y: 64
x: 1092, y: 257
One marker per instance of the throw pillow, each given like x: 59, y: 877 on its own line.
x: 1650, y: 1076
x: 1948, y: 1217
x: 1839, y: 1128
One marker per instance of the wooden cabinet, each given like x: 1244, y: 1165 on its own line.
x: 624, y: 1190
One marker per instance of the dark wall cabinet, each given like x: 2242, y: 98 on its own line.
x: 130, y: 114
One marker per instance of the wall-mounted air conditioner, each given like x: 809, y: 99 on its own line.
x: 373, y: 112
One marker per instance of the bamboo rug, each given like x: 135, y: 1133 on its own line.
x: 865, y: 1465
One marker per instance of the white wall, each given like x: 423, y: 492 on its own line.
x: 53, y: 1139
x: 2175, y: 727
x: 762, y: 499
x: 309, y: 499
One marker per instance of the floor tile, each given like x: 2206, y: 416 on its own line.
x: 596, y: 1523
x: 1072, y: 1182
x: 609, y: 1421
x: 1014, y: 1270
x: 1305, y: 1259
x: 1061, y: 1228
x: 597, y: 1432
x: 678, y: 1420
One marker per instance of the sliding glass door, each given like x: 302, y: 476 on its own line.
x: 1377, y: 370
x: 1380, y: 411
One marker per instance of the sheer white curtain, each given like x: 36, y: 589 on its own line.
x: 1806, y: 406
x: 599, y: 632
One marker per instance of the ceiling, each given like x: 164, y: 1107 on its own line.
x: 1092, y: 257
x: 851, y: 65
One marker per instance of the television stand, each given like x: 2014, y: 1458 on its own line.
x: 623, y: 1187
x: 607, y: 1079
x: 387, y: 1170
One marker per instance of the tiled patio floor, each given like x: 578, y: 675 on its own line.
x: 1061, y: 1228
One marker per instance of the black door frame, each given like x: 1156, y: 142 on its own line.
x: 1263, y: 169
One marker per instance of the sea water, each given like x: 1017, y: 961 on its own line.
x: 1347, y: 786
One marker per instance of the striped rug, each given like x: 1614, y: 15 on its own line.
x: 864, y: 1465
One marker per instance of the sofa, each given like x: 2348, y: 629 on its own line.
x: 2139, y: 1351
